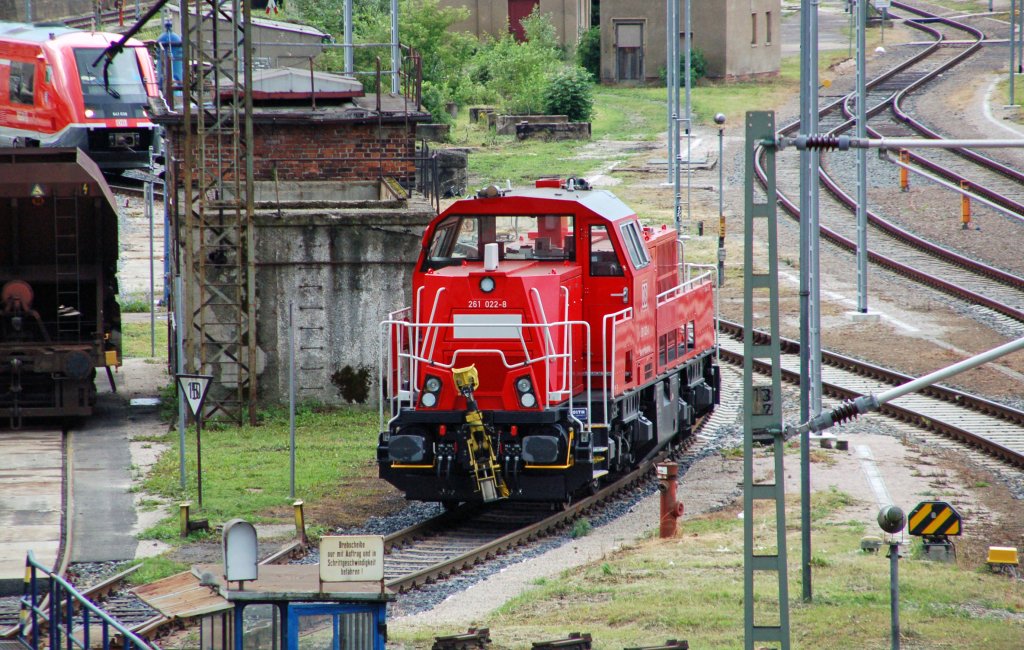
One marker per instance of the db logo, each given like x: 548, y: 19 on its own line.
x: 120, y: 122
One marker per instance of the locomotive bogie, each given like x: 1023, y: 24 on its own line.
x: 587, y: 350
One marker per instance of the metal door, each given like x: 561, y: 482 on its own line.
x: 517, y: 10
x: 629, y: 51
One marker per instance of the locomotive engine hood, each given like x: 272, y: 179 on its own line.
x: 499, y: 320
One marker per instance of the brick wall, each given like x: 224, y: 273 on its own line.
x: 314, y: 151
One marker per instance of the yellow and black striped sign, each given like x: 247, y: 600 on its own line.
x: 934, y: 518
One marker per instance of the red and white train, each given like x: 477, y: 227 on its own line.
x: 57, y: 89
x: 551, y: 341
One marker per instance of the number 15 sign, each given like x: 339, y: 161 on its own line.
x: 194, y: 388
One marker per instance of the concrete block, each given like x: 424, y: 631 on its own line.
x: 507, y: 124
x: 553, y: 131
x: 433, y: 132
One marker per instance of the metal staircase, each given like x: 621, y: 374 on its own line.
x: 220, y: 327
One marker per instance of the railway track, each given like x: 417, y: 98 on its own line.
x: 974, y: 422
x: 455, y: 541
x: 891, y: 246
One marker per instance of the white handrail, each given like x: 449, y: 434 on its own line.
x: 418, y: 355
x: 712, y: 268
x: 610, y: 321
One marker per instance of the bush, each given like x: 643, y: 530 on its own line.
x: 698, y: 66
x: 434, y: 99
x: 568, y: 92
x: 515, y: 71
x: 588, y: 52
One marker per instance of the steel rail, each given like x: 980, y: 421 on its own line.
x: 556, y: 521
x: 909, y: 238
x: 894, y: 104
x: 950, y: 395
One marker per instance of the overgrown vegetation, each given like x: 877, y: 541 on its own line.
x: 457, y: 67
x: 568, y: 92
x: 588, y: 52
x: 691, y: 587
x: 246, y: 470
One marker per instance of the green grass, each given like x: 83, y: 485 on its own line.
x: 635, y: 114
x: 135, y: 303
x: 135, y: 340
x: 691, y: 587
x: 246, y: 470
x: 155, y: 568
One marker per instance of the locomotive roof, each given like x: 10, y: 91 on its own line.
x: 28, y: 33
x: 601, y: 202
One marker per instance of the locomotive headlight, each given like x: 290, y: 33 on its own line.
x: 487, y: 284
x: 433, y: 384
x: 89, y: 112
x: 523, y: 384
x: 527, y: 400
x: 428, y: 399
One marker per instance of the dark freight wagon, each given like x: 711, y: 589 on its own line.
x: 59, y: 319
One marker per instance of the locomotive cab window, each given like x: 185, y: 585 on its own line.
x: 635, y: 245
x: 604, y: 262
x: 519, y: 237
x: 112, y: 87
x: 22, y: 83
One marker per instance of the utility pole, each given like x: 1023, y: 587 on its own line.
x: 810, y: 344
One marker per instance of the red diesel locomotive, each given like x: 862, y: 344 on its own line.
x: 551, y: 342
x: 54, y: 93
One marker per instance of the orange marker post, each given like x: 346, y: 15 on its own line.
x: 965, y: 205
x: 904, y: 172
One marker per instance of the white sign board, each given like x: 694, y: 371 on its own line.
x: 352, y: 558
x: 882, y: 4
x: 194, y: 387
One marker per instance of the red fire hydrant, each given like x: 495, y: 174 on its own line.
x: 671, y: 510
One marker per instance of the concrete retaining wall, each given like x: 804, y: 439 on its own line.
x: 344, y: 271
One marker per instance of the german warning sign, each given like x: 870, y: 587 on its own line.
x: 933, y: 518
x: 352, y: 558
x: 194, y: 387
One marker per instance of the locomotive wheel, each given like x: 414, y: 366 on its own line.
x: 450, y: 504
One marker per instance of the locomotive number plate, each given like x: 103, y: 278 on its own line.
x: 487, y: 304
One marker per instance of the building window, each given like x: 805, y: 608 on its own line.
x: 767, y: 28
x: 753, y: 29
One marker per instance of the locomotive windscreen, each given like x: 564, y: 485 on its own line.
x: 113, y: 87
x: 520, y: 237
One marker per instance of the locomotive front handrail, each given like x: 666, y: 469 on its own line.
x: 399, y: 359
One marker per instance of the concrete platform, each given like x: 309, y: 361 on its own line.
x: 31, y: 510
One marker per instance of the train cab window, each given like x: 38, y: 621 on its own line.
x: 604, y: 262
x: 22, y: 83
x: 111, y: 87
x: 519, y: 237
x: 635, y: 245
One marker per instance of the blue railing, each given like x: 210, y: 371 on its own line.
x: 51, y: 617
